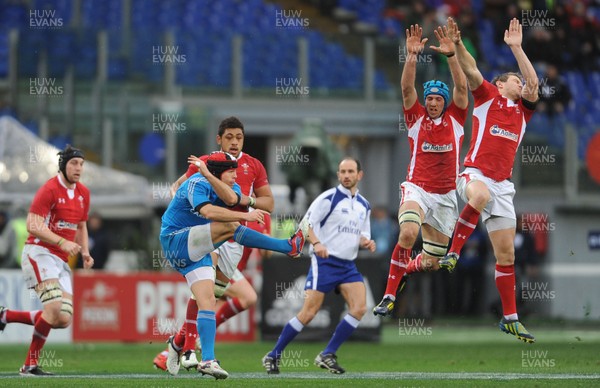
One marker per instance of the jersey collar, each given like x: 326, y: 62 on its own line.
x: 344, y: 190
x: 63, y: 183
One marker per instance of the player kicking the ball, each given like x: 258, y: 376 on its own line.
x: 502, y: 110
x: 194, y: 224
x: 234, y: 292
x: 435, y: 133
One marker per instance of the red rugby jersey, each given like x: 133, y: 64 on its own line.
x: 498, y: 128
x: 63, y: 209
x: 434, y: 147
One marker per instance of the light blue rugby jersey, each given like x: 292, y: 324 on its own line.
x: 181, y: 213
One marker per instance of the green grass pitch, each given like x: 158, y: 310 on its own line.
x: 438, y: 355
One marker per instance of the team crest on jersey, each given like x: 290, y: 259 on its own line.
x: 80, y: 201
x: 245, y: 166
x: 428, y: 147
x: 495, y: 130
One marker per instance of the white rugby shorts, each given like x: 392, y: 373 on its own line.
x: 441, y: 210
x: 39, y: 264
x: 501, y: 198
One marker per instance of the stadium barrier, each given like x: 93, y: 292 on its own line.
x: 144, y: 306
x: 282, y: 297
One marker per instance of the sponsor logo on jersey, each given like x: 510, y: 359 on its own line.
x: 428, y: 147
x: 497, y: 131
x: 66, y: 225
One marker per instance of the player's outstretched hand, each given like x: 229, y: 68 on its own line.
x: 453, y: 31
x: 446, y: 46
x: 514, y: 35
x: 256, y: 215
x: 414, y: 43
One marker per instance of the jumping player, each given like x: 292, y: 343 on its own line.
x: 428, y: 196
x: 502, y: 110
x: 57, y: 229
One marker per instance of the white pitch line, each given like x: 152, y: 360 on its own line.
x: 352, y: 375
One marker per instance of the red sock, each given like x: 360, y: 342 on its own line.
x: 398, y: 263
x: 505, y: 283
x: 41, y: 329
x: 25, y: 317
x: 191, y: 328
x: 414, y: 265
x: 467, y: 222
x: 188, y: 327
x: 228, y: 310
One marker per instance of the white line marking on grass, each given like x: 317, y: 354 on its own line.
x: 351, y: 375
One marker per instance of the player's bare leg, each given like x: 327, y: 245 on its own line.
x: 503, y: 244
x: 239, y: 297
x: 57, y: 313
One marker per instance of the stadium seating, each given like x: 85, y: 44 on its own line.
x: 269, y: 51
x: 204, y: 30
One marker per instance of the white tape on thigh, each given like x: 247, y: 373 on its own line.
x: 51, y: 292
x: 409, y: 216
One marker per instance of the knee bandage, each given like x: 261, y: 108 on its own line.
x: 434, y: 249
x: 409, y: 216
x: 50, y: 292
x: 67, y: 307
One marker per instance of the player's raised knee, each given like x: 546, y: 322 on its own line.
x: 479, y: 198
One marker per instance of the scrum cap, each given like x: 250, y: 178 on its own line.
x: 439, y: 88
x: 218, y: 162
x: 67, y: 154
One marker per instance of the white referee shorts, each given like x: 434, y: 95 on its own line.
x: 441, y: 210
x: 38, y: 265
x: 499, y: 213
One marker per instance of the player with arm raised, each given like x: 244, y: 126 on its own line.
x: 428, y: 196
x: 237, y: 293
x: 197, y: 222
x: 500, y: 115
